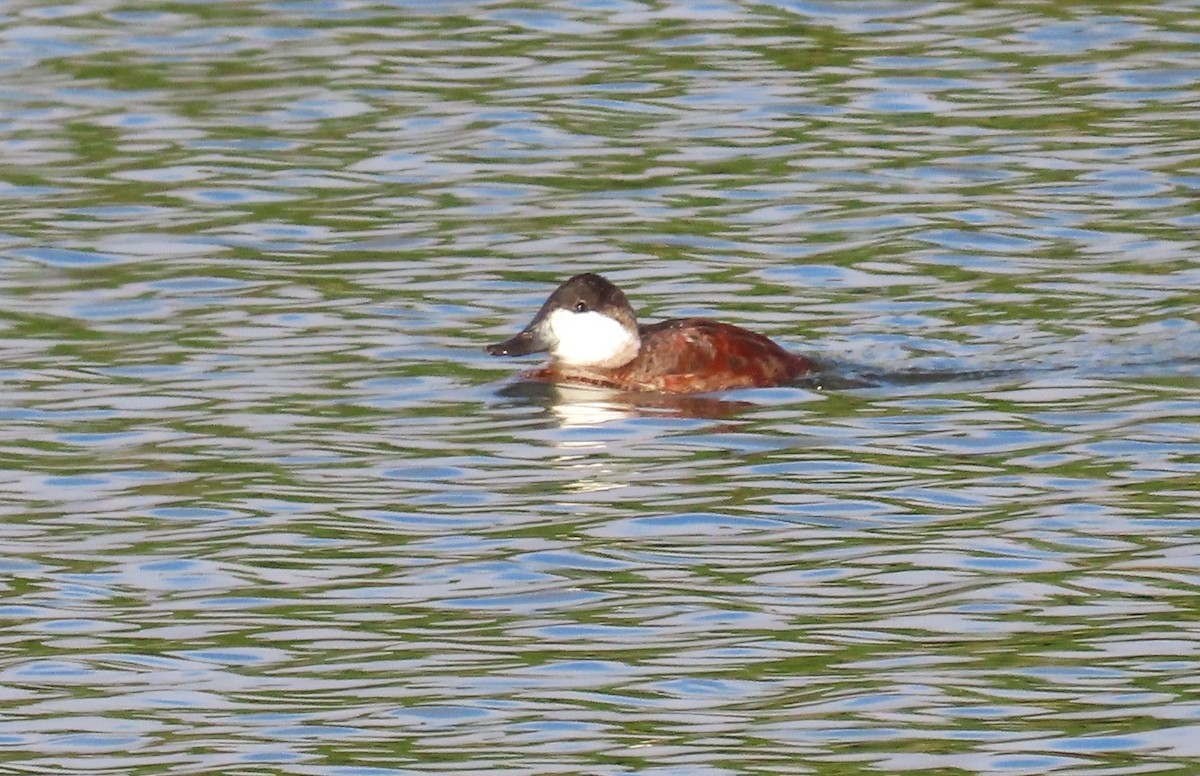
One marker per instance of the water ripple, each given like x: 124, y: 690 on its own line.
x: 268, y: 504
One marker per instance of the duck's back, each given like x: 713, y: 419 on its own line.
x: 696, y: 355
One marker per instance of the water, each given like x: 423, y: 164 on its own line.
x: 269, y: 508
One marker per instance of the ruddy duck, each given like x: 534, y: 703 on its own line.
x: 594, y: 338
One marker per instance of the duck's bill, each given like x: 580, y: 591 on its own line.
x: 528, y: 341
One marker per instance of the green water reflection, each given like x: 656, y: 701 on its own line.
x: 269, y: 507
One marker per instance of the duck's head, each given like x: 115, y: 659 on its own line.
x: 587, y: 322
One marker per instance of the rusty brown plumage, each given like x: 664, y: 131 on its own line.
x: 687, y: 355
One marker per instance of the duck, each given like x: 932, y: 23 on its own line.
x: 593, y: 337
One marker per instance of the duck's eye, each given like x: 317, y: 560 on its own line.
x: 581, y: 307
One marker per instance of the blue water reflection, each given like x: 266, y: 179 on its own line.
x: 269, y: 505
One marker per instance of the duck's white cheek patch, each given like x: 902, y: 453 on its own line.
x: 590, y: 339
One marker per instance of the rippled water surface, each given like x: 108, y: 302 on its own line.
x: 269, y: 508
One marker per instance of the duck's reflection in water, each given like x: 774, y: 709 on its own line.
x: 577, y: 406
